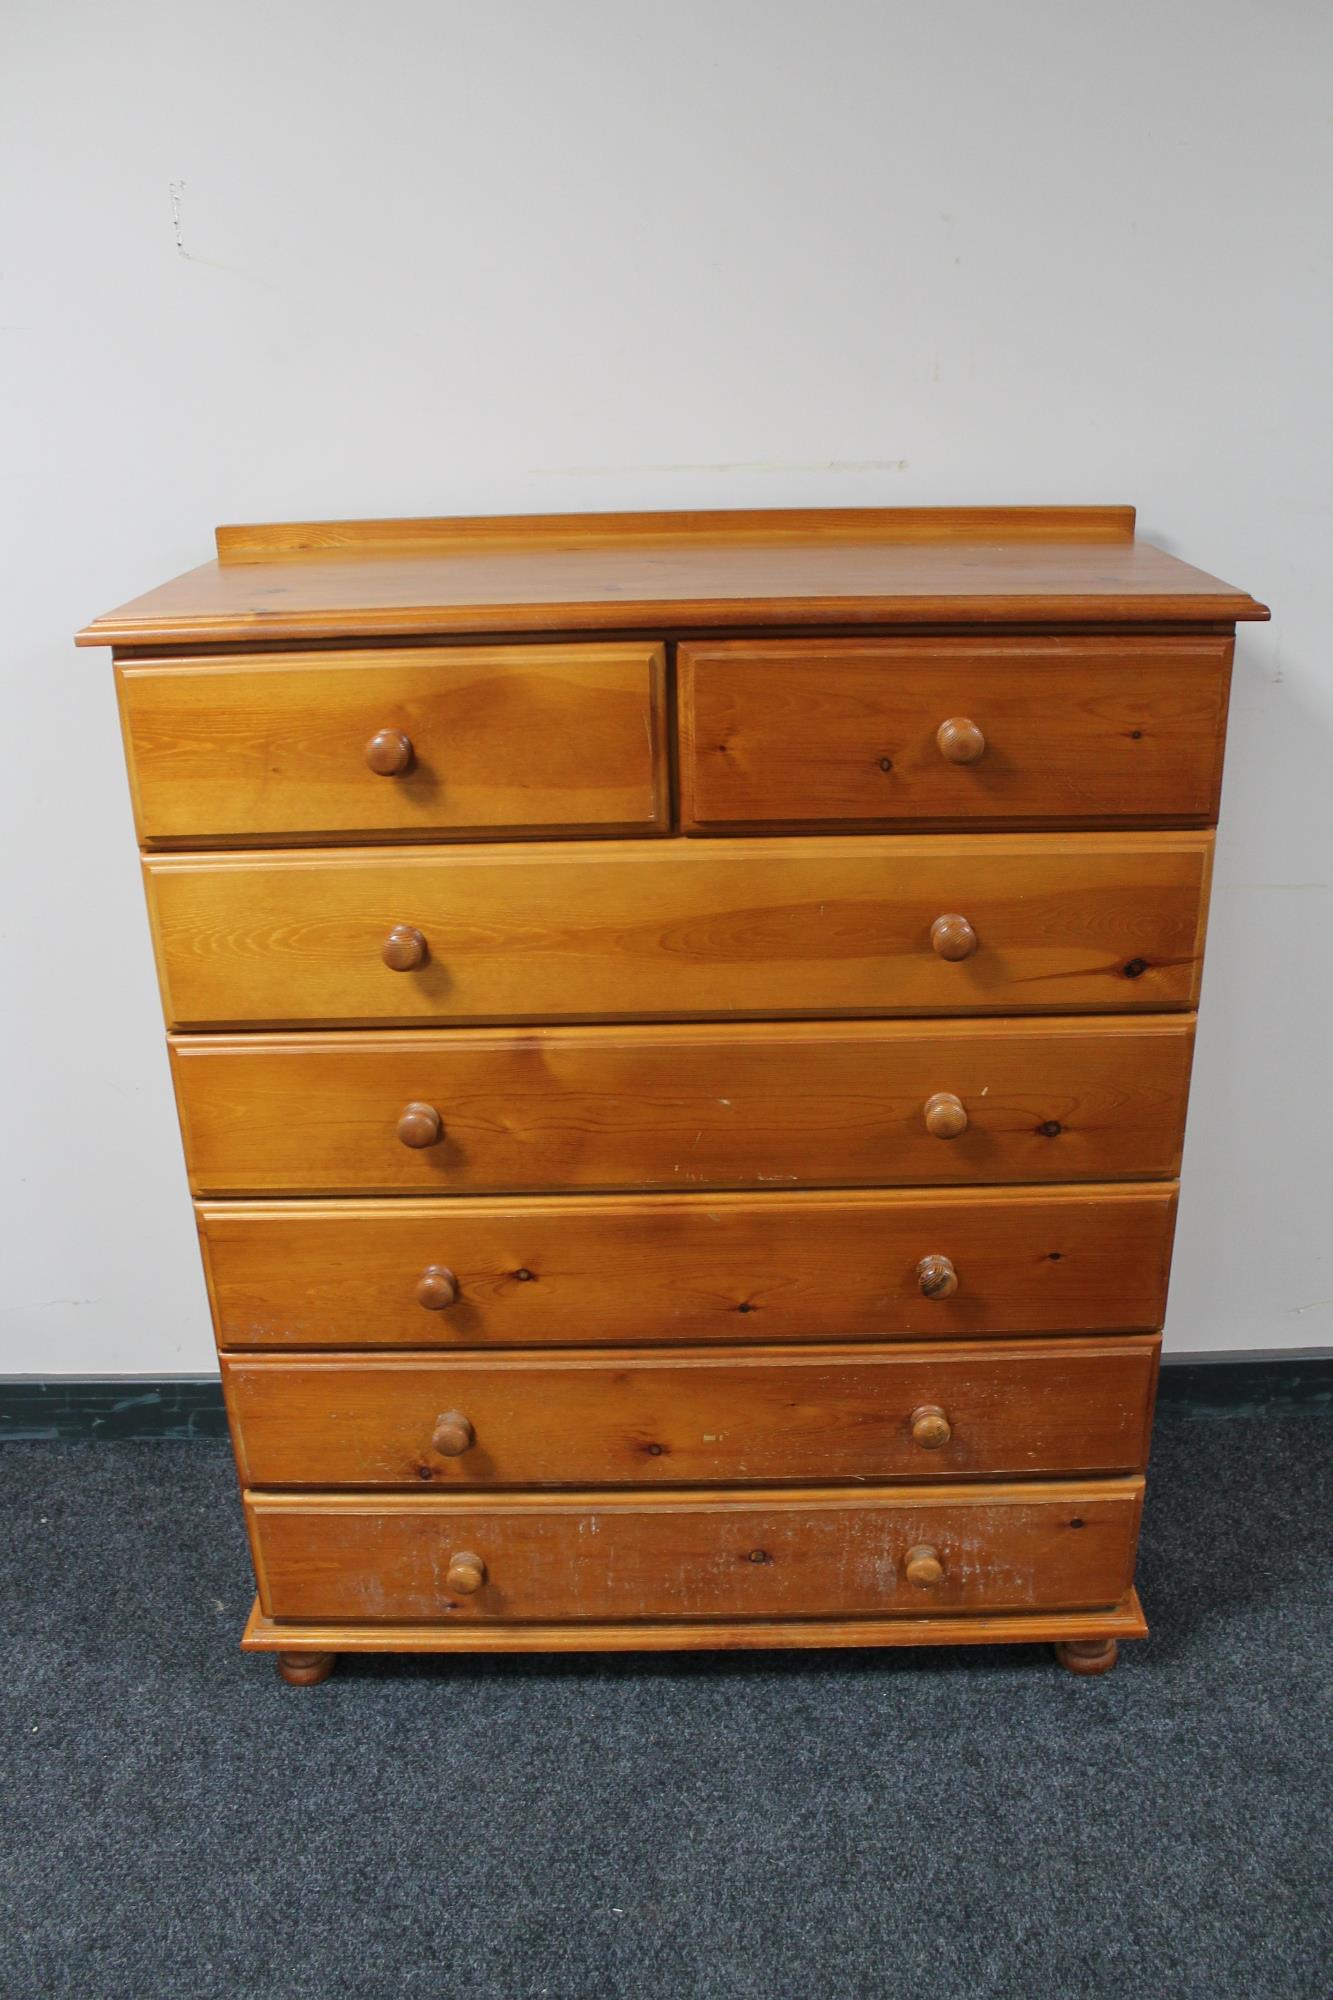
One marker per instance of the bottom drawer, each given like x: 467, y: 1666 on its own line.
x: 901, y: 1550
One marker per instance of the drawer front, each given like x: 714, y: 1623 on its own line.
x: 742, y: 1106
x: 690, y: 1419
x: 845, y: 733
x: 695, y: 1555
x: 626, y: 1270
x: 620, y: 930
x: 410, y: 745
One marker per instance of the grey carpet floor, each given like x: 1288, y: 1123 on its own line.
x: 838, y: 1827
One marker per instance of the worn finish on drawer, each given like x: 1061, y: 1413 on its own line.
x: 623, y: 929
x: 682, y: 1418
x: 695, y: 1555
x: 483, y: 741
x: 627, y: 1269
x: 846, y: 733
x: 746, y: 1105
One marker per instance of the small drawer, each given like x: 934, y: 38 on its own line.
x: 908, y: 1551
x: 951, y: 732
x: 755, y: 1105
x: 681, y: 1418
x: 418, y: 744
x: 941, y: 924
x: 624, y: 1270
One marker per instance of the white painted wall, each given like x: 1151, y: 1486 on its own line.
x: 439, y: 257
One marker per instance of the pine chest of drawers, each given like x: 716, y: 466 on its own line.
x: 681, y: 1026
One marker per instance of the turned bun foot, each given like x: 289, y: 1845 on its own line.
x: 303, y: 1670
x: 1087, y: 1656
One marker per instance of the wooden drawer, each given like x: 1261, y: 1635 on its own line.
x: 618, y: 930
x: 496, y: 740
x: 682, y: 1418
x: 694, y: 1555
x: 749, y: 1105
x: 624, y: 1269
x: 846, y: 733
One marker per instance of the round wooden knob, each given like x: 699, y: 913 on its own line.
x: 389, y: 753
x: 923, y: 1566
x: 419, y: 1125
x: 937, y: 1277
x: 437, y: 1287
x: 960, y: 740
x: 945, y: 1115
x: 953, y: 937
x: 451, y: 1437
x: 930, y: 1427
x: 465, y: 1573
x: 405, y: 948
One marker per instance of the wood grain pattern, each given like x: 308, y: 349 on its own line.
x: 760, y: 1554
x: 729, y: 526
x: 673, y: 574
x: 1124, y: 1620
x: 843, y: 733
x: 617, y: 930
x: 742, y: 1105
x: 503, y: 740
x: 681, y: 1418
x: 627, y: 1269
x: 822, y: 1313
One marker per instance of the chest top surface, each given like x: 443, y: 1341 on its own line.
x: 682, y: 572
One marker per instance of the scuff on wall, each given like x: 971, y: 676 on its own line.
x: 729, y: 465
x: 177, y: 191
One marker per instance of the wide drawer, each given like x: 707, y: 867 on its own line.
x: 683, y: 1418
x: 869, y: 732
x: 695, y: 1555
x: 618, y: 930
x: 399, y: 745
x: 629, y: 1270
x: 749, y: 1105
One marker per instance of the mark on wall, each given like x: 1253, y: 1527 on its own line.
x: 177, y: 192
x: 730, y: 465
